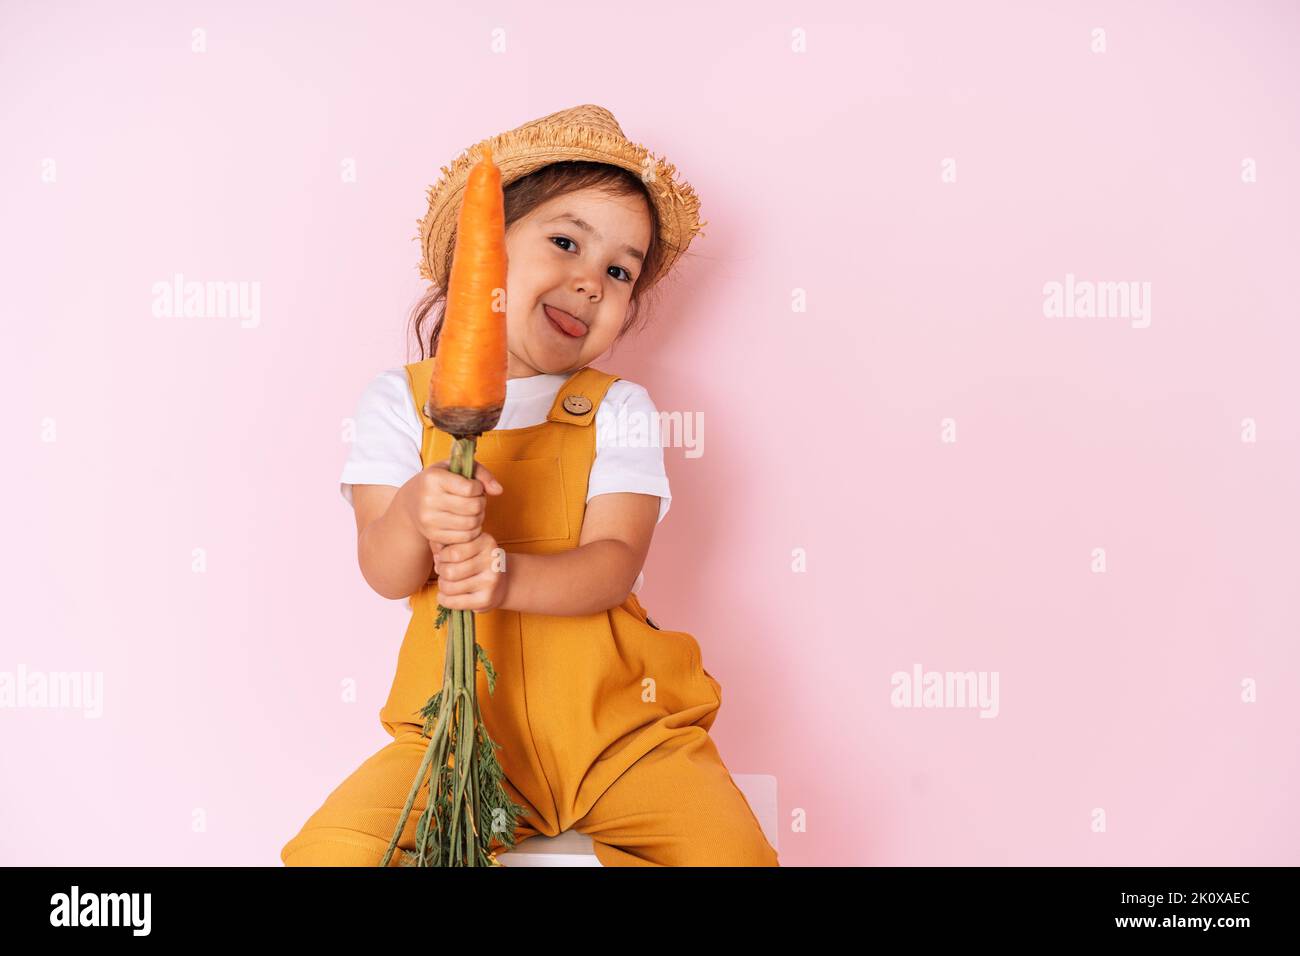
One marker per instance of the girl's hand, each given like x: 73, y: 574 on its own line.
x: 472, y: 575
x: 445, y: 507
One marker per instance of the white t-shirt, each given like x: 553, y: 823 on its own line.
x: 386, y: 447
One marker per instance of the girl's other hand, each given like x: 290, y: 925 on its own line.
x: 471, y: 576
x: 445, y: 507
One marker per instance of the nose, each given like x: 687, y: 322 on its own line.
x: 588, y: 285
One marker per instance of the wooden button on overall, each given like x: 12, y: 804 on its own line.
x: 577, y: 404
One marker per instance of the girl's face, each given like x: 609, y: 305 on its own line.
x: 586, y: 270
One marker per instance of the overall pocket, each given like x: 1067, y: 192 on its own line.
x: 532, y: 506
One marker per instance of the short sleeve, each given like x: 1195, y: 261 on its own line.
x: 387, y: 436
x: 629, y: 456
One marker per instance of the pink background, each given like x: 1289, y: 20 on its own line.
x: 818, y: 171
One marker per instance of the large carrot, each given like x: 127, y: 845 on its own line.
x: 468, y: 387
x: 467, y: 803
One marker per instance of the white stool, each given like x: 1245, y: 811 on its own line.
x: 572, y: 848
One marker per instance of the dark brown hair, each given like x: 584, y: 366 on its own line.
x: 523, y: 196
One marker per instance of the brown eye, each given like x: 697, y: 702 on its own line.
x: 559, y: 239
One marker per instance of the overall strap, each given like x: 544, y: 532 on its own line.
x: 578, y: 398
x: 419, y: 374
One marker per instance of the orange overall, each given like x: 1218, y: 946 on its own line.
x: 601, y: 719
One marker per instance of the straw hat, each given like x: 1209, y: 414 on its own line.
x: 582, y: 133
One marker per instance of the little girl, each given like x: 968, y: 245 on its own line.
x: 601, y: 717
